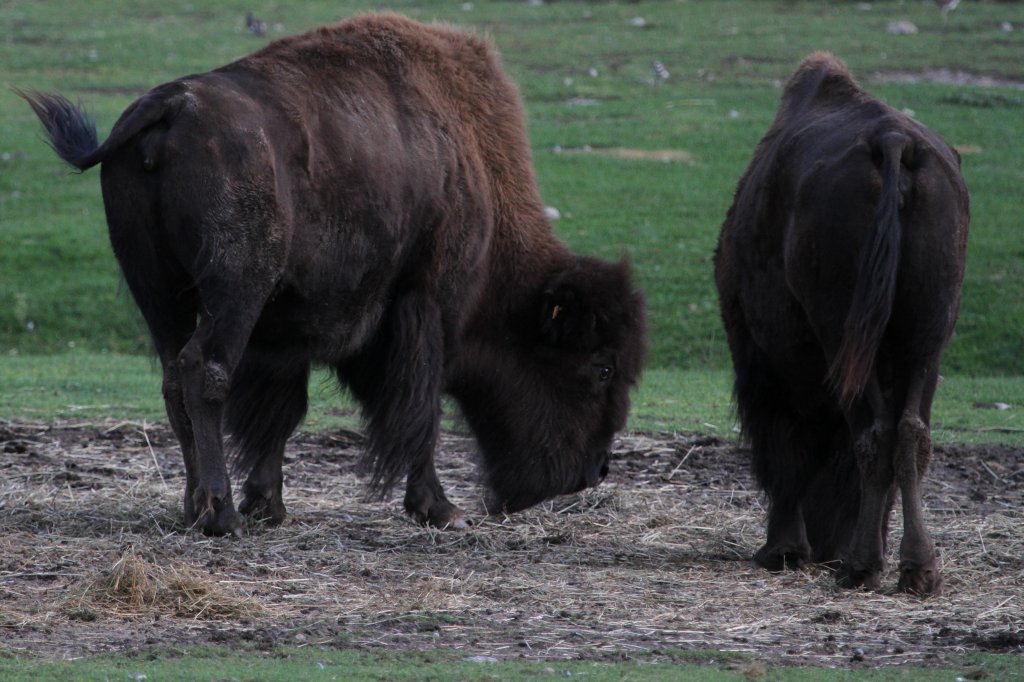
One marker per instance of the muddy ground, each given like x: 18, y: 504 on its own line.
x: 94, y: 557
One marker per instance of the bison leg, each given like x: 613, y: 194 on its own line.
x: 426, y: 502
x: 919, y: 573
x: 174, y: 401
x: 267, y: 402
x: 786, y: 545
x: 206, y: 365
x: 863, y: 561
x: 171, y: 324
x: 399, y: 380
x: 208, y: 504
x: 782, y: 451
x: 213, y: 513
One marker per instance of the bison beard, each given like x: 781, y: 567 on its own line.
x: 362, y: 197
x: 839, y: 268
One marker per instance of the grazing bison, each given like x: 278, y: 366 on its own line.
x: 838, y: 270
x: 362, y: 197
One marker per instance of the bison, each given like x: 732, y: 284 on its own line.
x: 359, y: 197
x: 839, y: 268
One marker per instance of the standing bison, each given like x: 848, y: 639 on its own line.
x: 362, y: 197
x: 839, y: 268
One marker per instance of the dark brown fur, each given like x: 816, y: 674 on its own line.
x: 360, y: 196
x: 839, y: 269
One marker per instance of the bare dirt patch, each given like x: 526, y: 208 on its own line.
x: 94, y: 557
x: 948, y: 77
x: 628, y: 154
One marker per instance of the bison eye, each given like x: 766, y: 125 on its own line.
x: 604, y: 373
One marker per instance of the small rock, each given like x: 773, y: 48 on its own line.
x: 992, y: 406
x: 901, y: 28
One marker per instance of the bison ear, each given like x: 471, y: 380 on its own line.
x: 567, y: 320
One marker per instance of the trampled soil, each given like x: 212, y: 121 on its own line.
x: 94, y: 557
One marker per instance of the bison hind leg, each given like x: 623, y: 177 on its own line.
x: 268, y: 400
x: 919, y: 572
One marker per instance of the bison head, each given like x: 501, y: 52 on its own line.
x: 546, y: 401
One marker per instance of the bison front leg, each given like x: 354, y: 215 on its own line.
x: 786, y: 546
x: 399, y: 381
x: 426, y: 502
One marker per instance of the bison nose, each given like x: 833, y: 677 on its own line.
x: 597, y: 473
x: 593, y: 473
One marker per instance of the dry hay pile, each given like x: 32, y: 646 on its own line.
x: 93, y: 556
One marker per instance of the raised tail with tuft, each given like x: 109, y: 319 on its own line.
x: 69, y: 130
x: 72, y: 133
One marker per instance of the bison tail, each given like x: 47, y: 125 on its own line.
x: 72, y: 132
x: 875, y: 288
x: 69, y: 130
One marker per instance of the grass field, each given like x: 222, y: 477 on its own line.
x: 632, y: 163
x: 327, y: 666
x: 585, y: 75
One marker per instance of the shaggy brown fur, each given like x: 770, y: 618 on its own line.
x: 839, y: 269
x: 360, y: 196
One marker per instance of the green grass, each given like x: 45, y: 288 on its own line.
x: 318, y: 664
x: 85, y: 386
x: 727, y: 59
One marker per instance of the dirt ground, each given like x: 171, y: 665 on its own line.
x: 94, y: 557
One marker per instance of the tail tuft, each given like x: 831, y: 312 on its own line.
x: 70, y: 131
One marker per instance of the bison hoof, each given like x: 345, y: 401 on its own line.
x: 853, y: 578
x: 269, y: 510
x: 224, y: 522
x: 212, y: 515
x: 922, y: 580
x: 441, y: 514
x: 782, y: 557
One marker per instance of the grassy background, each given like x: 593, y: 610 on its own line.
x: 585, y: 74
x: 312, y: 664
x: 85, y: 386
x: 69, y: 336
